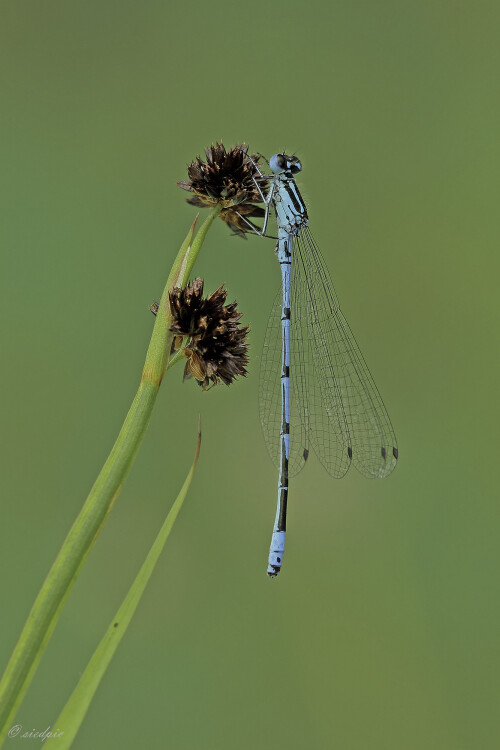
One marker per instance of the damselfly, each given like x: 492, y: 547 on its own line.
x: 316, y: 388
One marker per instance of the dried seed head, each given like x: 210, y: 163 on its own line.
x: 216, y: 349
x: 227, y: 178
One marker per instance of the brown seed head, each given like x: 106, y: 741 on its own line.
x: 216, y: 349
x: 227, y: 178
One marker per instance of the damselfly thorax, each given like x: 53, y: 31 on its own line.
x: 291, y: 213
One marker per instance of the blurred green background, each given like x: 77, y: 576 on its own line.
x: 382, y: 630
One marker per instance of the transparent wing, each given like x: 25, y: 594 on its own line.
x: 270, y: 391
x: 341, y: 408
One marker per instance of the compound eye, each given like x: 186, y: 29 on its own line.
x: 277, y: 163
x: 295, y: 166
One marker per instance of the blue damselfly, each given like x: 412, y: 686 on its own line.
x: 316, y: 388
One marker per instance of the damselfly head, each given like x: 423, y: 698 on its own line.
x: 284, y: 163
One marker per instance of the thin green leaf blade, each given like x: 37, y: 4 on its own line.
x: 73, y: 713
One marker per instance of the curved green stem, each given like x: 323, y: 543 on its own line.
x: 77, y: 545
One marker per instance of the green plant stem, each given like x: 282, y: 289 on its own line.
x: 71, y: 557
x: 175, y: 359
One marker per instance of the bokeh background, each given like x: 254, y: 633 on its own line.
x: 382, y: 630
